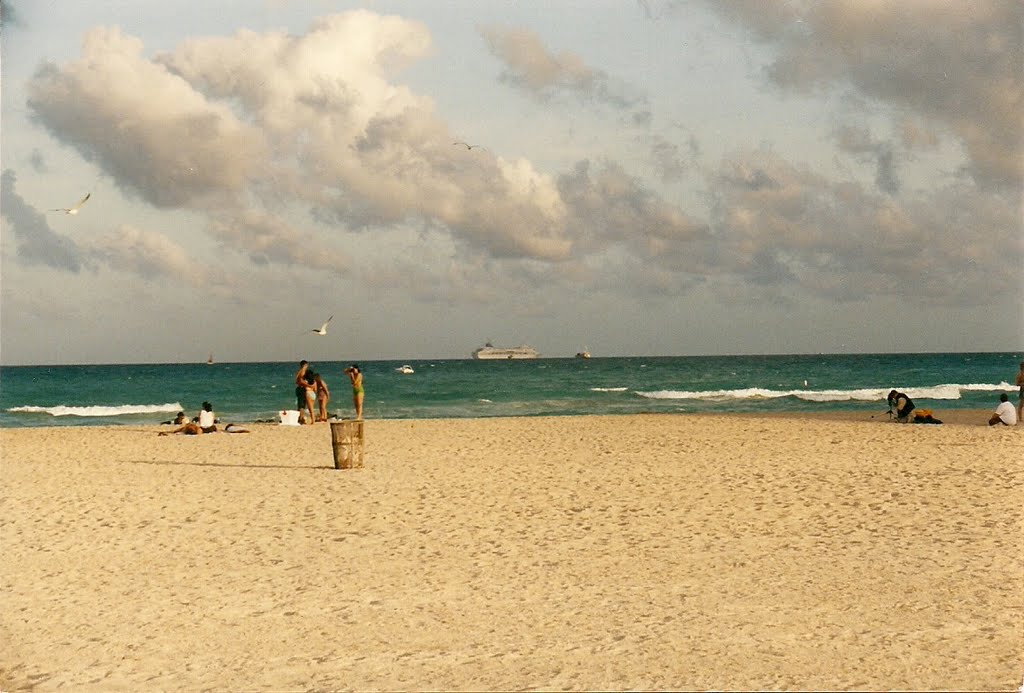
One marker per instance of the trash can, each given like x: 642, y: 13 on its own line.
x: 347, y: 440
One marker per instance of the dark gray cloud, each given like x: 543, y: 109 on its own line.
x: 38, y: 162
x: 788, y: 227
x: 858, y: 141
x: 37, y: 243
x: 8, y: 14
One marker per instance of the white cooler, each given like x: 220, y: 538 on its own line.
x: 289, y: 417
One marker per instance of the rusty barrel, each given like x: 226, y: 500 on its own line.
x: 347, y: 441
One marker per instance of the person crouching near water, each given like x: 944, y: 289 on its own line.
x: 1005, y: 413
x: 900, y: 406
x: 356, y: 377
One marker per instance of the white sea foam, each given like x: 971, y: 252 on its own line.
x: 99, y: 410
x: 608, y: 389
x: 942, y: 392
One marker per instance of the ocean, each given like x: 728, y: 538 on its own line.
x: 95, y: 395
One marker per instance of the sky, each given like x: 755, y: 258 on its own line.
x: 656, y: 177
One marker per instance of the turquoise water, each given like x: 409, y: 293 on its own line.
x: 249, y: 392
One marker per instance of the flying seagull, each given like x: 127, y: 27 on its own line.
x: 470, y: 146
x: 323, y: 328
x: 73, y: 210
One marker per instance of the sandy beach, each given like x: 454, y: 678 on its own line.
x: 610, y: 552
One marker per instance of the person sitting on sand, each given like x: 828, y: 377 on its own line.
x: 205, y: 422
x: 1005, y: 413
x: 902, y: 405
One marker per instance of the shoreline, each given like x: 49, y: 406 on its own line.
x: 957, y: 417
x: 664, y: 551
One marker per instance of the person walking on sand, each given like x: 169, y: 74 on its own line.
x: 1020, y: 392
x: 357, y: 388
x: 323, y: 396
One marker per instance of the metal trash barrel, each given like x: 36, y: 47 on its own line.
x: 347, y: 440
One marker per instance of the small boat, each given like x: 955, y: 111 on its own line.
x: 405, y: 370
x: 583, y: 354
x: 209, y: 361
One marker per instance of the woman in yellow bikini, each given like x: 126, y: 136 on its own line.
x: 357, y: 388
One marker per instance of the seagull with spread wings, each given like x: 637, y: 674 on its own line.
x: 323, y: 328
x: 73, y: 210
x: 469, y: 146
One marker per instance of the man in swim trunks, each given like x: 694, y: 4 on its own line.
x: 300, y: 385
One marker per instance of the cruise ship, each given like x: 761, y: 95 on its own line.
x: 489, y: 351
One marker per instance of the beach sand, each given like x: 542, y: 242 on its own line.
x: 607, y: 552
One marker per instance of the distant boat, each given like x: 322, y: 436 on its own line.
x: 489, y: 351
x: 209, y: 361
x: 583, y: 354
x: 405, y: 370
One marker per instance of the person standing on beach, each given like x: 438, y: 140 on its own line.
x: 1020, y: 392
x: 306, y: 414
x: 300, y: 385
x: 357, y: 388
x: 323, y: 396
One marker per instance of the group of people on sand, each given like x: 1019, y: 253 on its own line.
x: 204, y: 422
x: 900, y: 405
x: 312, y: 392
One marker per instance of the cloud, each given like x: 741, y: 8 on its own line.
x: 952, y: 64
x: 38, y: 162
x: 147, y: 254
x: 244, y: 128
x: 609, y: 207
x: 786, y: 228
x: 293, y: 150
x: 859, y: 141
x: 267, y: 239
x: 8, y: 14
x: 149, y: 129
x: 531, y: 67
x: 37, y: 243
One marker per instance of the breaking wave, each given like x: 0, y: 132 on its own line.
x: 99, y: 410
x: 943, y: 392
